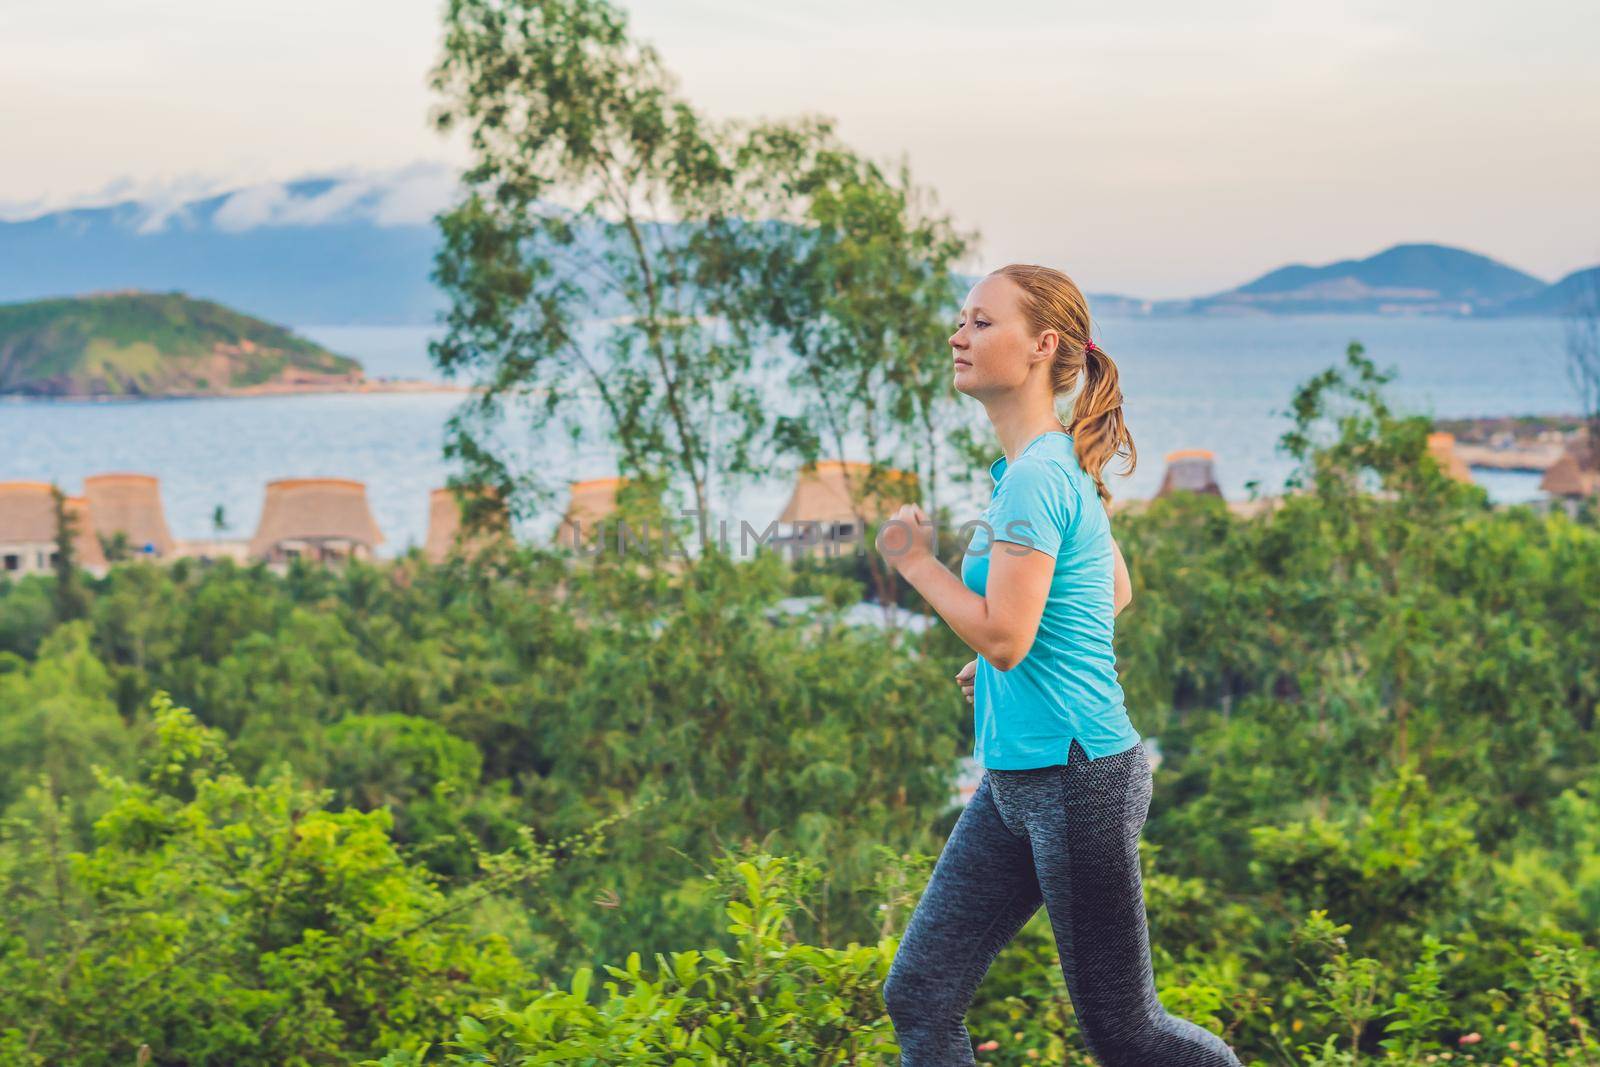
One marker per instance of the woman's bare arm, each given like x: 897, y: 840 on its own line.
x: 1001, y: 626
x: 1122, y: 588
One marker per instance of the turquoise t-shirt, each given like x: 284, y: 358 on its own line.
x: 1066, y: 686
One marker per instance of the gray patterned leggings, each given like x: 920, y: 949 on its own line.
x: 1066, y: 836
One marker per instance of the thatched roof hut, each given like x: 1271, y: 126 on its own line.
x: 444, y: 527
x: 1442, y: 446
x: 1575, y: 475
x: 820, y: 509
x: 28, y: 529
x: 130, y: 504
x: 321, y: 518
x: 1190, y: 470
x: 822, y: 492
x: 27, y: 513
x: 87, y: 545
x: 592, y: 502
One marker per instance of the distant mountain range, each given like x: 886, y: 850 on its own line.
x: 307, y: 253
x: 1407, y: 279
x: 153, y: 344
x: 337, y: 251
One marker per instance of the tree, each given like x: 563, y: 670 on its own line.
x: 72, y: 602
x: 115, y: 546
x: 621, y: 260
x: 600, y: 254
x: 864, y: 295
x: 58, y: 717
x: 1372, y: 447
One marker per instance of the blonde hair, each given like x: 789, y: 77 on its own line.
x: 1052, y: 301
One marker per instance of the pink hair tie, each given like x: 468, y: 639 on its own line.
x: 1089, y: 346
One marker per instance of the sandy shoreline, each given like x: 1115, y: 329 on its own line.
x: 1533, y: 459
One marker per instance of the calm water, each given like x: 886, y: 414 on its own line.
x: 1221, y: 384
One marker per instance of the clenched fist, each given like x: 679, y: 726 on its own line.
x: 966, y: 678
x: 905, y: 537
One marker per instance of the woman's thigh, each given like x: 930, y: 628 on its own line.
x: 982, y: 891
x: 1086, y: 852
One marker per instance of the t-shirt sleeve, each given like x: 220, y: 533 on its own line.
x: 1034, y: 505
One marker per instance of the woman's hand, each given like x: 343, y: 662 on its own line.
x: 906, y: 537
x: 966, y: 678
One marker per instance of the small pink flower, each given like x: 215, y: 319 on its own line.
x: 1469, y: 1039
x: 988, y: 1046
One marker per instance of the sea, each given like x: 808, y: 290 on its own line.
x: 1222, y: 384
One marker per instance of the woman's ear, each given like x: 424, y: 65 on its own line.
x: 1046, y: 344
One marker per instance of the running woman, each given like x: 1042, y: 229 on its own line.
x: 1057, y: 815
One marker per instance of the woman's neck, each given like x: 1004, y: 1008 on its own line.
x: 1017, y: 424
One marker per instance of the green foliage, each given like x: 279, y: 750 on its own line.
x: 1555, y: 1003
x: 1422, y: 1006
x: 472, y: 703
x: 58, y: 720
x: 772, y: 1000
x: 1375, y: 710
x: 27, y: 613
x: 444, y: 716
x: 1390, y: 865
x: 215, y: 921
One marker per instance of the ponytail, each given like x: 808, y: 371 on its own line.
x: 1053, y: 301
x: 1098, y: 432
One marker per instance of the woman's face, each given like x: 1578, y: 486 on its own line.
x: 992, y: 348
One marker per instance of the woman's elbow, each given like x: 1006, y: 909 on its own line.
x: 1008, y: 653
x: 1122, y: 602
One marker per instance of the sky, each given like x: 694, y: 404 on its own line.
x: 1158, y: 149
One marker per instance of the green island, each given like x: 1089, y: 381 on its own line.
x: 141, y: 344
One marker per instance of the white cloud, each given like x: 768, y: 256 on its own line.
x: 419, y: 193
x: 249, y: 208
x: 162, y: 203
x: 402, y: 196
x: 156, y: 200
x: 344, y: 202
x: 159, y: 215
x: 405, y: 196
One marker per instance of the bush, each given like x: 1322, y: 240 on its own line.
x: 218, y: 922
x: 773, y: 1001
